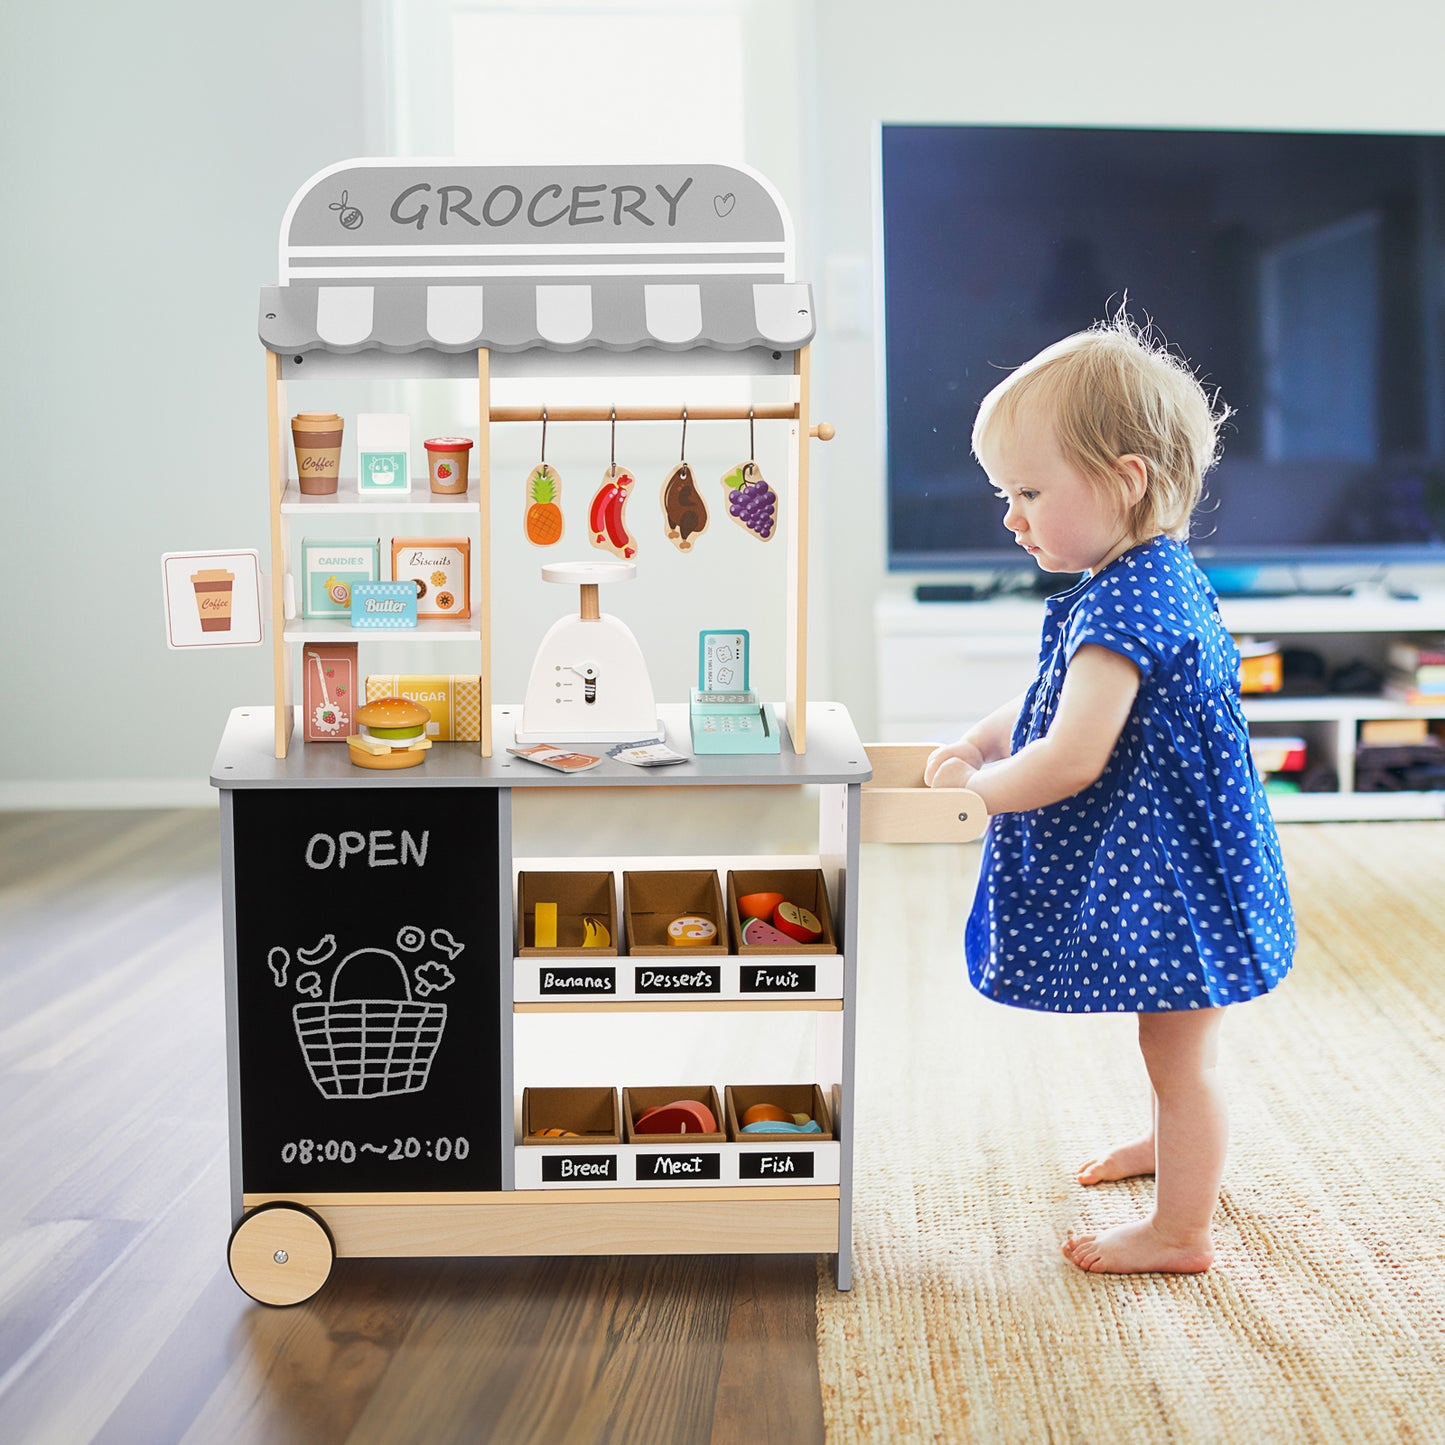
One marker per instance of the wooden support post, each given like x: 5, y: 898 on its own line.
x: 796, y: 699
x: 276, y: 457
x: 484, y: 538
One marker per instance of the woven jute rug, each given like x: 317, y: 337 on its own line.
x: 1323, y: 1318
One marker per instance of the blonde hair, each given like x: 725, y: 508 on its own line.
x: 1111, y: 392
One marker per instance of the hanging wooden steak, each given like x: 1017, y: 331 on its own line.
x: 684, y: 508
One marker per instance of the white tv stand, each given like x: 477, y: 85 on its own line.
x: 940, y: 665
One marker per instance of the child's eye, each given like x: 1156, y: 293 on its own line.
x: 1027, y: 493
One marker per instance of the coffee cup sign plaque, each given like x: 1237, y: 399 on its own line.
x: 212, y: 599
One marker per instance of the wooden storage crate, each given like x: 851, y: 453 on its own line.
x: 803, y: 886
x: 593, y: 1114
x: 636, y: 1100
x: 651, y: 900
x: 576, y: 895
x: 792, y: 1098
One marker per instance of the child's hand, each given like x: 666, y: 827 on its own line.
x: 951, y: 773
x: 963, y: 752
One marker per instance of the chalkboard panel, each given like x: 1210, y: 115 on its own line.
x: 367, y: 940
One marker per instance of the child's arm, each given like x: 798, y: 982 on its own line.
x: 986, y: 741
x: 1098, y: 692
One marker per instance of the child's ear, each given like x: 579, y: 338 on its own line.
x: 1134, y: 473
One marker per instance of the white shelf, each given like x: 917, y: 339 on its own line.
x: 940, y: 665
x: 1334, y: 709
x: 346, y: 501
x: 322, y: 629
x: 1355, y: 807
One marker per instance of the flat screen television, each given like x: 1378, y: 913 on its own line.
x: 1303, y: 274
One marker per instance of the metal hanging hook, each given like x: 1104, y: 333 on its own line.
x: 614, y: 436
x: 544, y: 436
x: 752, y: 445
x: 682, y: 449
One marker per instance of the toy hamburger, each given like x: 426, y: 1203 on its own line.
x: 391, y: 733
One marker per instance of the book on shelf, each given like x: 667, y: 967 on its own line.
x: 1407, y: 656
x: 1414, y: 691
x: 1384, y: 732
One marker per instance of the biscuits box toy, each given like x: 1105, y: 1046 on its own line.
x: 441, y: 569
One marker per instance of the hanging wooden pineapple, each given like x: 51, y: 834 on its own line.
x: 543, y: 518
x: 544, y: 515
x: 682, y: 503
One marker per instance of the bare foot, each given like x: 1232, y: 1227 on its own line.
x: 1123, y: 1161
x: 1139, y: 1249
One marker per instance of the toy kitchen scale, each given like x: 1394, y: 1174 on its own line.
x: 589, y: 681
x: 397, y: 962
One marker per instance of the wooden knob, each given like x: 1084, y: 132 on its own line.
x: 824, y: 431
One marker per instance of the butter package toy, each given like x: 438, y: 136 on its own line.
x: 383, y: 606
x: 454, y: 702
x: 329, y: 570
x: 440, y: 567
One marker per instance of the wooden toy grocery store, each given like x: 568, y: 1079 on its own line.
x: 405, y: 993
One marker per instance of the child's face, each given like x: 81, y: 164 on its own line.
x: 1061, y: 519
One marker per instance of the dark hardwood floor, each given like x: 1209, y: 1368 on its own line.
x: 119, y: 1320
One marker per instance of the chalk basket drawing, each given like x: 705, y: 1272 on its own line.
x: 371, y: 1048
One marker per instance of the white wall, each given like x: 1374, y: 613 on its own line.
x: 149, y: 150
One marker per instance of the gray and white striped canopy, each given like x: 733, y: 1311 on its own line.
x: 403, y: 256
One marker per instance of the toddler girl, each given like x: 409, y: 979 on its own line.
x: 1131, y: 864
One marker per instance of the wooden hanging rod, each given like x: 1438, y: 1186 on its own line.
x: 824, y: 431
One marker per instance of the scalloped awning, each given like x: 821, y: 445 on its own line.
x: 405, y: 256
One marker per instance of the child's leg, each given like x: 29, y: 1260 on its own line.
x: 1180, y: 1051
x: 1124, y: 1161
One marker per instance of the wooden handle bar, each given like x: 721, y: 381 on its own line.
x: 824, y: 431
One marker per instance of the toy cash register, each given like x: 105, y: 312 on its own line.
x: 726, y: 717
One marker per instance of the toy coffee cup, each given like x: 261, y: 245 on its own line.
x: 446, y: 461
x: 317, y: 435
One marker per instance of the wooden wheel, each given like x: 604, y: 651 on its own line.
x: 280, y: 1254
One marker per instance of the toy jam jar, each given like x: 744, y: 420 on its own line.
x: 446, y: 460
x: 317, y: 435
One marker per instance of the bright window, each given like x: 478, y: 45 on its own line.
x: 570, y: 80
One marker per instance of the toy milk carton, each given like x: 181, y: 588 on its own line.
x: 330, y: 569
x: 383, y: 451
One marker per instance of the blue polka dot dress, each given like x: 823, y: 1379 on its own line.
x: 1160, y: 886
